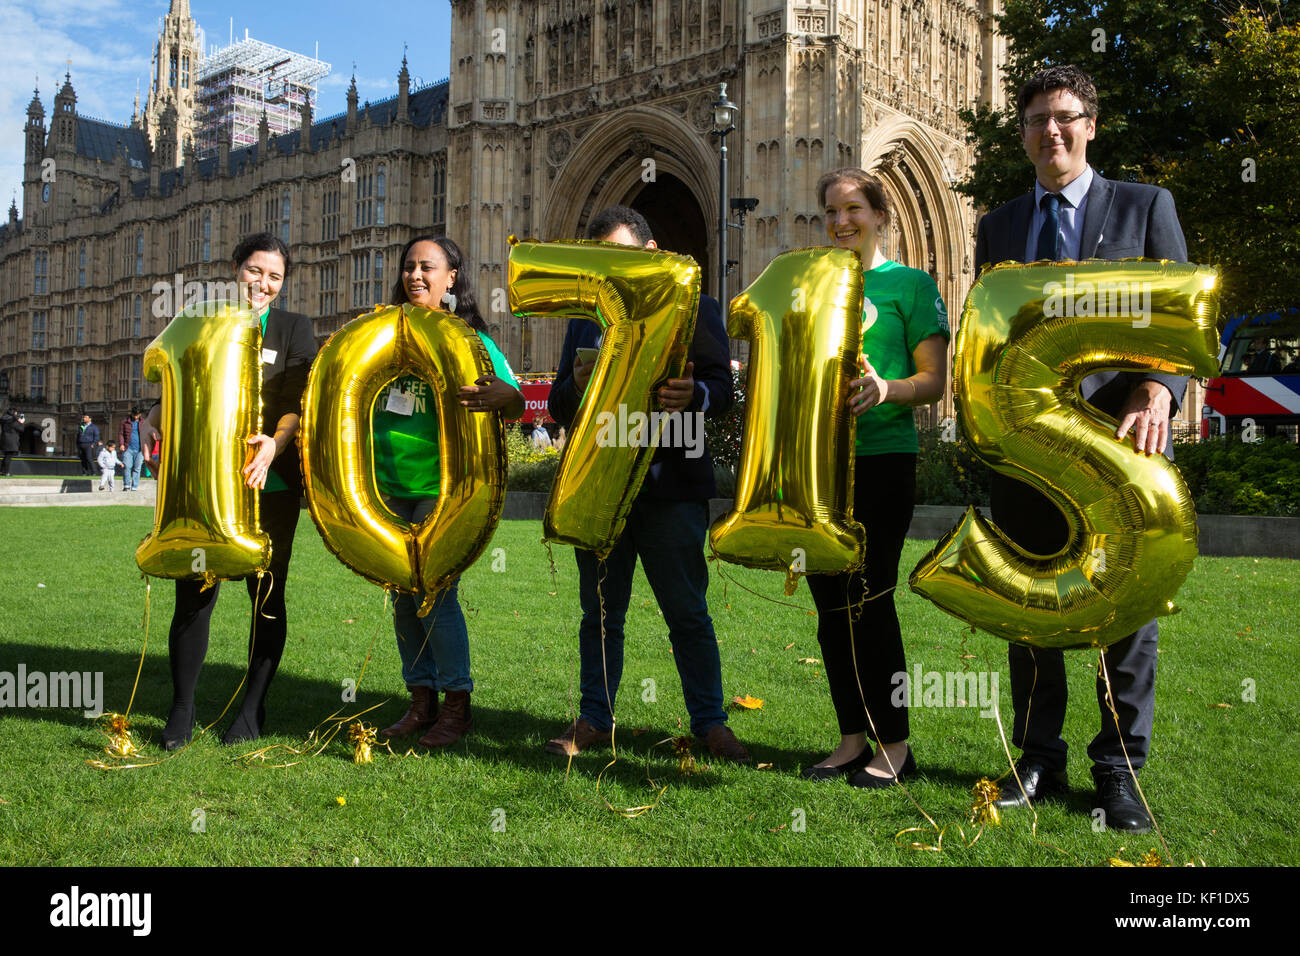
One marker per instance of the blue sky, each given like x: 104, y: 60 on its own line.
x: 110, y: 44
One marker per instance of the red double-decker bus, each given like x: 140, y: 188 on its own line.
x: 1258, y: 386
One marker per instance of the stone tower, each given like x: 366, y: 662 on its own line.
x: 177, y: 56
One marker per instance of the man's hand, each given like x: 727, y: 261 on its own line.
x: 676, y: 394
x: 1147, y: 413
x: 582, y: 373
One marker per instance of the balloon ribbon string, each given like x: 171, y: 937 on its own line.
x: 118, y: 726
x: 317, y: 740
x: 252, y: 643
x: 1110, y: 702
x: 629, y: 812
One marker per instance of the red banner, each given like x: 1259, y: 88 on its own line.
x: 535, y: 396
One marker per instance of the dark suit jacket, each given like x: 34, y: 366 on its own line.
x: 1121, y: 220
x: 672, y: 476
x: 290, y: 336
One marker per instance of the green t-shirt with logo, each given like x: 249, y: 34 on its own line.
x: 406, y: 446
x: 900, y: 308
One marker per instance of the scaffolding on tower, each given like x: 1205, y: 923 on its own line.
x: 238, y: 82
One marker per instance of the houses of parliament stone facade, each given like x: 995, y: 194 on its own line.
x: 551, y: 111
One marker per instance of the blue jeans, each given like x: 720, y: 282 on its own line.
x: 131, y: 462
x: 669, y: 538
x: 434, y: 648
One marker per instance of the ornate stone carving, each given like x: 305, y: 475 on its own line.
x: 768, y: 25
x: 558, y: 145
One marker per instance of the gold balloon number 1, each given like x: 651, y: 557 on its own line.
x: 1029, y: 336
x: 794, y: 483
x: 208, y: 361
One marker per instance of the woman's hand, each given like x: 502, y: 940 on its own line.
x: 492, y: 394
x: 868, y: 391
x: 260, y: 457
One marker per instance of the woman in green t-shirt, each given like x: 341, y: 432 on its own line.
x: 435, y: 648
x: 904, y: 350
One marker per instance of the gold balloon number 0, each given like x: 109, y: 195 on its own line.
x: 645, y: 301
x: 350, y: 371
x: 794, y: 484
x: 1029, y: 336
x: 208, y: 361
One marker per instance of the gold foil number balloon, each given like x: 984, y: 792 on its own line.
x: 205, y: 525
x: 1029, y: 335
x: 646, y: 302
x: 353, y: 367
x: 794, y: 483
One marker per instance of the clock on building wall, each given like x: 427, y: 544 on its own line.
x: 45, y: 193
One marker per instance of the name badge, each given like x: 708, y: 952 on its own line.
x: 400, y: 403
x: 268, y: 356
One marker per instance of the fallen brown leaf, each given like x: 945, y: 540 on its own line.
x: 1221, y: 705
x: 777, y: 829
x: 748, y: 702
x: 349, y: 620
x: 790, y: 645
x: 638, y: 731
x: 809, y: 660
x: 762, y: 766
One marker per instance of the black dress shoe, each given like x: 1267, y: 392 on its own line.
x: 839, y: 769
x: 1117, y: 797
x: 1036, y: 780
x: 866, y: 780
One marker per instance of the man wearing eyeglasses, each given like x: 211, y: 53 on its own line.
x: 1074, y: 213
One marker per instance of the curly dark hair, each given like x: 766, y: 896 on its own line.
x: 1068, y: 77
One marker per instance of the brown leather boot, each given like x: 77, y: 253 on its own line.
x: 453, y: 723
x: 421, y: 715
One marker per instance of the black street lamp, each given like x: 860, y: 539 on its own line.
x: 724, y: 117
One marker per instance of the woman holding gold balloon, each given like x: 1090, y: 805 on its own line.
x: 405, y: 434
x: 261, y: 264
x: 904, y: 348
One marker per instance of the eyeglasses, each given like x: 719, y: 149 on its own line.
x: 1039, y: 120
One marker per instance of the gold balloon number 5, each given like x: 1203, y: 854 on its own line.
x: 338, y: 461
x: 794, y: 484
x: 645, y: 301
x: 208, y: 361
x: 1029, y: 336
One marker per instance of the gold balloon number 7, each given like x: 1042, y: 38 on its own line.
x: 646, y: 302
x: 1030, y: 334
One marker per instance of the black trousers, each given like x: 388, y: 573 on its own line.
x: 884, y: 494
x: 1038, y: 684
x: 188, y: 637
x: 6, y: 460
x: 87, y: 466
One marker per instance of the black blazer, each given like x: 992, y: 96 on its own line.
x: 291, y: 337
x: 672, y: 476
x: 1121, y: 220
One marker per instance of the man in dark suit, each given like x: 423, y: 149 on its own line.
x: 665, y: 528
x: 87, y: 444
x: 1073, y: 213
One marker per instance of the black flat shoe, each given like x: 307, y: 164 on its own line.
x: 866, y: 780
x: 179, y: 729
x: 839, y: 769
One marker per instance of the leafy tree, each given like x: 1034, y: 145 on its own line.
x: 1186, y: 89
x: 1237, y: 189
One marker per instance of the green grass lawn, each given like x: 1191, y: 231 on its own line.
x: 1222, y: 779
